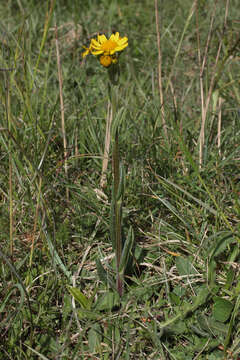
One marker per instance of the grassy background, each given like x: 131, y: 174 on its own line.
x: 181, y: 297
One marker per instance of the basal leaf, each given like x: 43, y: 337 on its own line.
x: 222, y: 309
x: 107, y: 301
x: 184, y: 266
x: 94, y: 338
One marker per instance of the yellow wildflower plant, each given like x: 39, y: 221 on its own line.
x: 106, y: 49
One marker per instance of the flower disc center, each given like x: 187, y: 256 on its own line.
x: 109, y: 45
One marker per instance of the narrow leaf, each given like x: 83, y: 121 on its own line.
x: 56, y: 258
x: 126, y: 250
x: 104, y: 276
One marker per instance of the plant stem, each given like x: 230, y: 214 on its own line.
x: 10, y: 167
x: 117, y: 211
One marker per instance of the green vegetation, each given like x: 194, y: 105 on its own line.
x: 177, y: 191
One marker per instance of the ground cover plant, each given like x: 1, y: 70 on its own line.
x: 119, y: 186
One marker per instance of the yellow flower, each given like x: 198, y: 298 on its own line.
x: 87, y: 51
x: 106, y: 49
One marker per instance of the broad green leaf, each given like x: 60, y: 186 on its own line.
x: 94, y: 338
x: 184, y: 266
x: 202, y: 297
x: 88, y: 314
x: 107, y: 301
x: 230, y: 278
x: 80, y: 297
x: 179, y: 327
x: 211, y: 326
x: 222, y: 309
x: 175, y: 299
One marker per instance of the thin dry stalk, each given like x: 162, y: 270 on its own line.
x: 160, y: 87
x: 202, y: 64
x: 173, y: 95
x: 62, y: 108
x: 103, y: 180
x: 226, y: 14
x: 220, y: 102
x: 205, y: 102
x: 199, y: 60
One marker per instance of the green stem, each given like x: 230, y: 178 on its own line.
x: 117, y: 212
x: 10, y: 167
x: 117, y: 195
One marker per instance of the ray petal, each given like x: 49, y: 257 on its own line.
x: 97, y: 52
x: 102, y: 39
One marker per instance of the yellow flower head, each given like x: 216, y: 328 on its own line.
x: 106, y: 49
